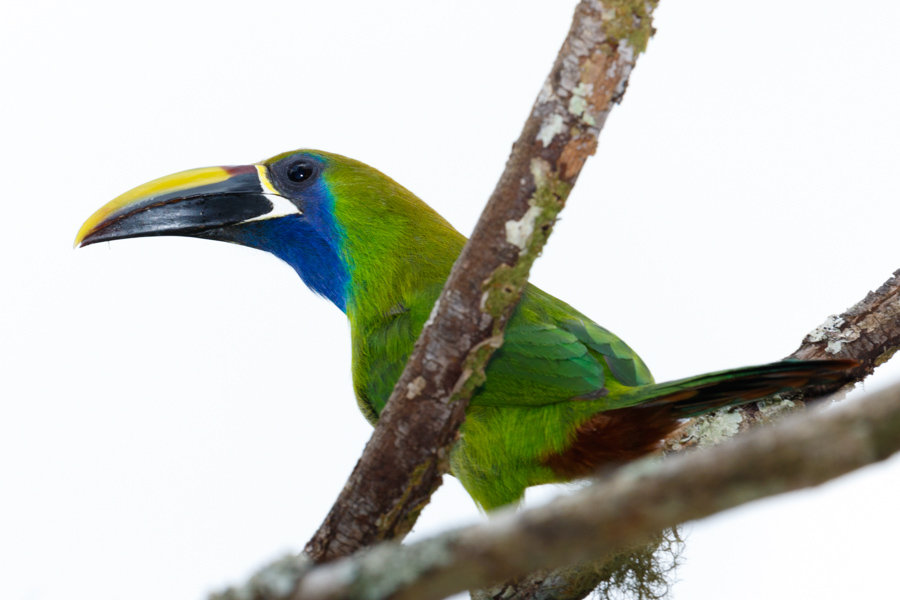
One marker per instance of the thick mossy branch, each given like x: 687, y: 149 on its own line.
x: 406, y: 457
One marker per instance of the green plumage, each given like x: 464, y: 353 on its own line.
x: 563, y: 395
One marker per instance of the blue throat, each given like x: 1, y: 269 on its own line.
x: 294, y: 240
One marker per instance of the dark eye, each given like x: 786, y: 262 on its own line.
x: 300, y: 171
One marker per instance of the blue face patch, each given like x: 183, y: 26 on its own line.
x: 311, y: 241
x: 296, y: 241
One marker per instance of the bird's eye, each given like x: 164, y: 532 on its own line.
x: 300, y: 171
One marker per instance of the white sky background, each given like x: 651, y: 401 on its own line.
x: 175, y: 412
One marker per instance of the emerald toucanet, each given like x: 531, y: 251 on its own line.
x: 563, y: 396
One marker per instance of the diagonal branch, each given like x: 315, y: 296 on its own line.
x: 803, y: 451
x: 404, y: 460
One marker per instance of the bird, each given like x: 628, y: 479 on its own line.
x: 563, y: 396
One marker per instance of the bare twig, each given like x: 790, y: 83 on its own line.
x: 637, y: 501
x: 406, y: 456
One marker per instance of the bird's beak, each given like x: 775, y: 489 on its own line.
x: 188, y: 203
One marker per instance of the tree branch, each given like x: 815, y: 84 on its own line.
x: 404, y: 460
x: 635, y: 502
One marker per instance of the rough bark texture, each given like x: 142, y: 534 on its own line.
x: 869, y: 331
x: 637, y: 501
x: 407, y: 455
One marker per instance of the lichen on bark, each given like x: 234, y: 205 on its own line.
x: 629, y: 20
x: 505, y: 284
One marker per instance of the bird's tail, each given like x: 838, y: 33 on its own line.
x: 701, y: 394
x: 640, y: 420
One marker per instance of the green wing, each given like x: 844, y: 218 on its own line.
x: 551, y: 353
x: 623, y: 363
